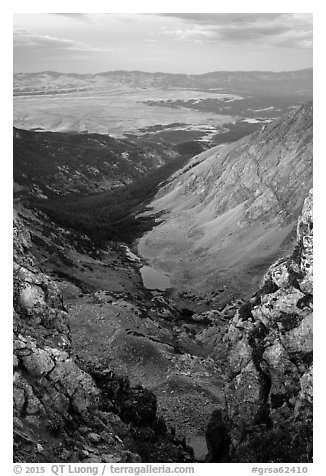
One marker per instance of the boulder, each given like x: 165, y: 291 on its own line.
x: 38, y: 363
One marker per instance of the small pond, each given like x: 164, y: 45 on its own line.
x: 153, y: 279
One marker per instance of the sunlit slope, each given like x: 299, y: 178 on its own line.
x: 232, y: 210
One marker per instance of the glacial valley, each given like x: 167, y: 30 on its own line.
x: 162, y: 268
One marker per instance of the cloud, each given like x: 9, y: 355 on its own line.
x: 31, y: 40
x: 100, y: 17
x: 150, y: 41
x: 282, y: 29
x: 220, y: 18
x: 75, y: 16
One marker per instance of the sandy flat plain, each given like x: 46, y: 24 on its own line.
x: 113, y: 112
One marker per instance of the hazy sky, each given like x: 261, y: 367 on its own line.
x: 176, y: 42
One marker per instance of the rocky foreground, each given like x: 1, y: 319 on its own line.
x: 269, y: 343
x: 72, y: 405
x: 62, y: 412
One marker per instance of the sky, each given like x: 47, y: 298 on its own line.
x: 167, y: 42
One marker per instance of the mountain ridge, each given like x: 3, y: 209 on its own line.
x: 56, y: 73
x: 49, y: 164
x: 233, y: 204
x: 263, y: 82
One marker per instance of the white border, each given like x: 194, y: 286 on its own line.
x: 247, y: 6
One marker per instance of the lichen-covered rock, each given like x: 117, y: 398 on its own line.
x: 75, y: 383
x: 240, y: 355
x: 306, y: 394
x: 38, y: 362
x: 269, y: 391
x: 31, y: 296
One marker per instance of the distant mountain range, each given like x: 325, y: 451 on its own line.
x: 246, y: 82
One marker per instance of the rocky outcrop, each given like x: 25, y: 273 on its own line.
x: 269, y: 388
x: 61, y: 411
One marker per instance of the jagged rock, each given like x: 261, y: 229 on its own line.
x: 93, y: 459
x: 106, y: 458
x: 31, y: 296
x: 39, y: 448
x: 245, y: 391
x: 240, y: 355
x: 19, y: 344
x: 19, y: 398
x: 58, y: 403
x: 38, y: 363
x: 129, y: 457
x: 24, y: 397
x: 65, y: 455
x: 76, y: 384
x: 269, y: 392
x: 306, y: 395
x: 278, y: 365
x: 56, y: 400
x: 114, y: 423
x: 94, y: 438
x: 33, y: 403
x: 107, y: 437
x: 84, y: 429
x: 272, y: 305
x: 299, y: 339
x: 102, y: 296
